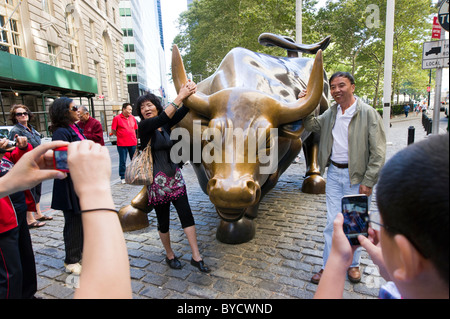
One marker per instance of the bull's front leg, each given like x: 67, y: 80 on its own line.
x: 313, y: 183
x: 134, y: 216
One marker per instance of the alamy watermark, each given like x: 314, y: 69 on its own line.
x: 231, y: 145
x: 373, y: 19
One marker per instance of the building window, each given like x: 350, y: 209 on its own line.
x: 46, y: 6
x: 97, y: 70
x: 10, y: 40
x: 106, y: 8
x: 128, y: 47
x: 52, y: 56
x: 130, y: 63
x: 10, y: 2
x: 4, y: 46
x: 132, y: 78
x: 125, y: 12
x: 127, y: 32
x: 74, y: 57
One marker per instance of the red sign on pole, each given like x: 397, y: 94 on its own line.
x: 436, y: 32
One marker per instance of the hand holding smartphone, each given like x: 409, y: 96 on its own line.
x: 356, y: 217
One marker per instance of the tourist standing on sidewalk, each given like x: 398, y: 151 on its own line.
x: 352, y: 138
x: 168, y: 183
x: 63, y: 115
x: 21, y: 116
x: 124, y: 126
x: 91, y: 127
x: 406, y: 108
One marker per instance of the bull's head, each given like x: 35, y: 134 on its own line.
x: 235, y: 185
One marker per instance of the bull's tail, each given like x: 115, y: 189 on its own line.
x: 270, y: 40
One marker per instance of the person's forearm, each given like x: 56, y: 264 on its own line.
x: 331, y: 285
x: 106, y: 270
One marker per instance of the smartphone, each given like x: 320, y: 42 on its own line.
x: 356, y: 217
x: 60, y: 159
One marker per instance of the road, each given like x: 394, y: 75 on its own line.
x: 47, y: 186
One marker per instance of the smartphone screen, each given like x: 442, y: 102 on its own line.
x: 60, y: 159
x: 356, y: 217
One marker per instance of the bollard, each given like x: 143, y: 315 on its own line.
x: 411, y: 133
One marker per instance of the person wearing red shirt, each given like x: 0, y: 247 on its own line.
x: 124, y: 126
x: 91, y: 127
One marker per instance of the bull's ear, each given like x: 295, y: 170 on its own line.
x: 290, y: 112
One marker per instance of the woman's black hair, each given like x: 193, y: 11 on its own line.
x: 59, y: 113
x: 156, y: 101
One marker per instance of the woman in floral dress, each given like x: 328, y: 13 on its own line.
x: 168, y: 183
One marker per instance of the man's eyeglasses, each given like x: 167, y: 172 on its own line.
x: 22, y: 114
x: 375, y: 224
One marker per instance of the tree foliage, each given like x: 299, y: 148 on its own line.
x: 211, y: 28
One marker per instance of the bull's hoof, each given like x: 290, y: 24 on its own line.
x: 132, y: 218
x: 314, y: 184
x: 238, y: 232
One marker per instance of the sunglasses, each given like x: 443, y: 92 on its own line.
x: 22, y: 114
x: 74, y: 108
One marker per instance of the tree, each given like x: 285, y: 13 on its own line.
x: 211, y: 28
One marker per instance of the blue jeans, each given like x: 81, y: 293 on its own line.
x: 123, y: 150
x: 338, y: 185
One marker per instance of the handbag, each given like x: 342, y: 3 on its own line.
x: 140, y: 170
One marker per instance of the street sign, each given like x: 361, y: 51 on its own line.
x: 443, y: 15
x: 435, y: 54
x: 436, y: 32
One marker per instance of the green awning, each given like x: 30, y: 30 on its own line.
x: 22, y: 74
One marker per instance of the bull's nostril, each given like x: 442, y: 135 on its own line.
x: 250, y: 185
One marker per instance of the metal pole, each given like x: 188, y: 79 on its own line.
x: 298, y: 30
x: 437, y: 102
x: 3, y: 109
x: 388, y: 51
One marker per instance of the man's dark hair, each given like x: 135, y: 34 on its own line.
x: 156, y: 101
x: 124, y: 105
x: 59, y: 113
x: 413, y: 198
x: 343, y: 74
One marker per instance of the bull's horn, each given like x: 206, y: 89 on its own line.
x: 299, y: 109
x: 197, y: 102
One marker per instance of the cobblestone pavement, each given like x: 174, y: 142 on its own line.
x: 278, y: 263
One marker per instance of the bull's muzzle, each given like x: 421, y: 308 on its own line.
x: 231, y: 197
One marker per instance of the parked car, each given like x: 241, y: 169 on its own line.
x: 4, y: 131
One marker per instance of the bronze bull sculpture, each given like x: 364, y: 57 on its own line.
x: 250, y: 93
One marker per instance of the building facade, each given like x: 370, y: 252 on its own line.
x: 143, y: 47
x: 54, y: 48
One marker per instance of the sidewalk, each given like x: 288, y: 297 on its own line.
x: 277, y: 263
